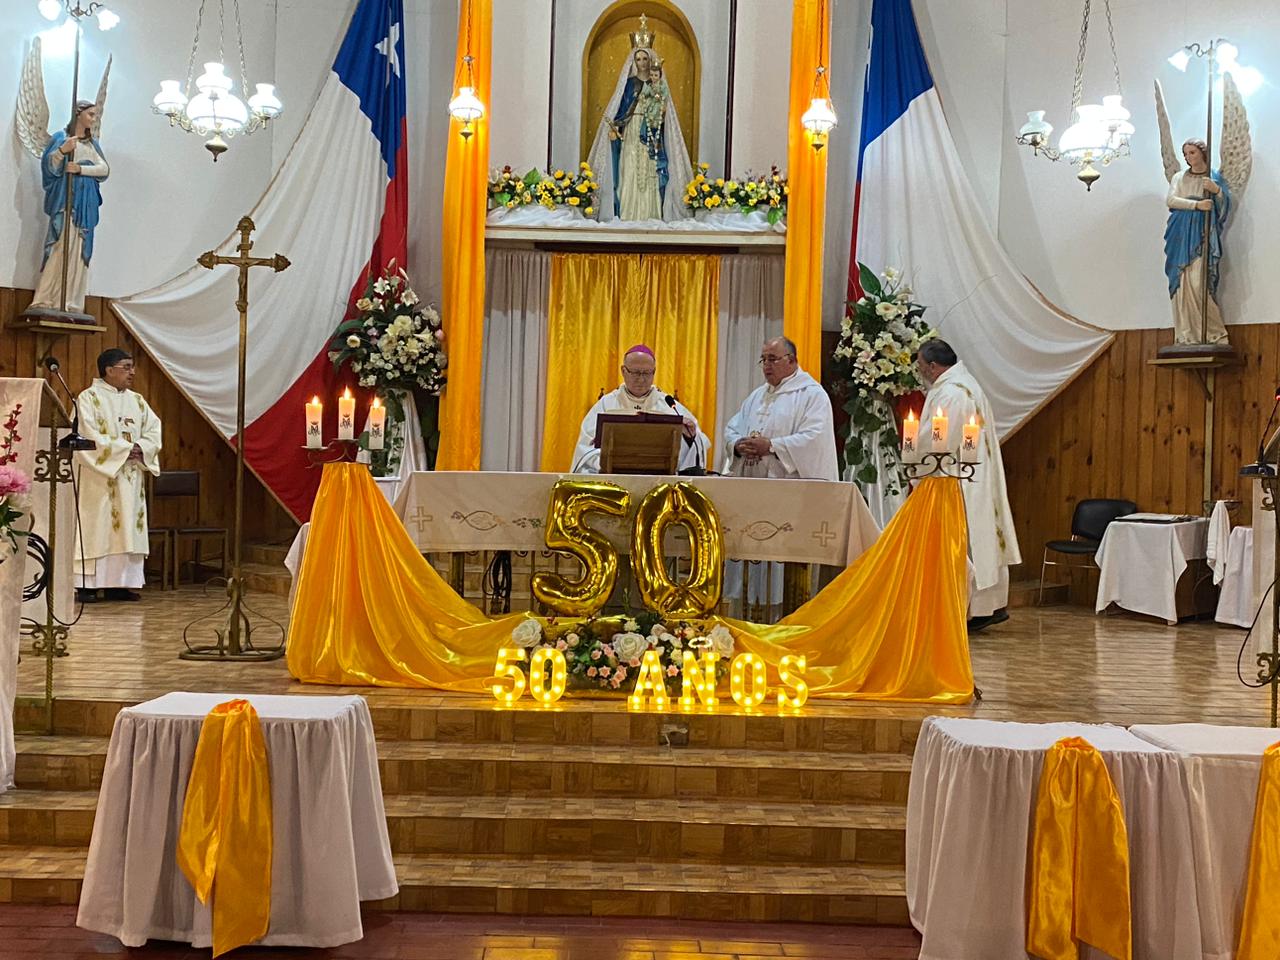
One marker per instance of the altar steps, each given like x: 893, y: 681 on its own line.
x: 584, y: 811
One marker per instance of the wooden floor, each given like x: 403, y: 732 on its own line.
x: 1051, y: 663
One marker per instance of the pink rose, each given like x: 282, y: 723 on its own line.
x: 672, y: 670
x: 620, y: 674
x: 591, y: 671
x: 604, y: 671
x: 635, y: 662
x: 615, y: 682
x: 595, y: 654
x: 13, y: 480
x: 561, y: 645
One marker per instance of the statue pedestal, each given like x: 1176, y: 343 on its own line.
x: 34, y: 318
x: 1195, y: 355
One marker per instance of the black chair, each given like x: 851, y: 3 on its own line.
x: 1088, y: 523
x: 186, y: 484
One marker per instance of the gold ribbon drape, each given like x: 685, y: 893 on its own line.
x: 1260, y: 925
x: 224, y: 844
x: 892, y: 625
x: 466, y: 175
x: 807, y: 175
x: 1079, y: 858
x: 602, y: 303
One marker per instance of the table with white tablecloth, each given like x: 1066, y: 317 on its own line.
x: 970, y: 812
x: 329, y: 832
x: 1141, y: 563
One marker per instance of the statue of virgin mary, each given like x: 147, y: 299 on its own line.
x: 639, y: 154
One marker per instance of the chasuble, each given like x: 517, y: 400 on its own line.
x: 586, y: 456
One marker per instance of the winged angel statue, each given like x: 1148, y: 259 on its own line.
x: 1199, y: 203
x: 72, y: 168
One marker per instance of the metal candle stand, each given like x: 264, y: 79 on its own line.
x: 944, y: 464
x: 335, y: 451
x: 49, y: 638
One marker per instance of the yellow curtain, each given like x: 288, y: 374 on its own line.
x: 370, y: 610
x: 466, y: 173
x: 807, y: 174
x: 602, y: 303
x: 1079, y: 858
x: 892, y: 625
x: 225, y: 838
x: 1260, y: 925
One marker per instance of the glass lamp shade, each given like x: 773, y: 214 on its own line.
x: 1087, y: 138
x: 820, y: 118
x: 217, y: 112
x: 1037, y: 129
x: 50, y: 9
x: 1226, y: 54
x: 213, y: 78
x: 170, y: 100
x: 1180, y: 60
x: 265, y: 103
x: 1116, y: 118
x: 107, y: 20
x: 466, y: 106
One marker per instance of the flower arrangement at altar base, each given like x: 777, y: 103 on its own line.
x: 605, y: 653
x: 558, y: 188
x: 766, y: 192
x: 879, y: 337
x: 14, y: 486
x: 394, y: 346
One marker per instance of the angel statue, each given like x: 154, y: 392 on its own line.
x: 639, y: 149
x: 1199, y: 201
x: 72, y: 168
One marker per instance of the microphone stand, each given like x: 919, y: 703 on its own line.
x: 697, y: 470
x: 73, y: 440
x: 1262, y: 468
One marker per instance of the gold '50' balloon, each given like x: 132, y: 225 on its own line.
x: 567, y: 531
x: 665, y: 506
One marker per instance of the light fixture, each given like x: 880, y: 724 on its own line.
x: 1223, y: 57
x: 215, y: 111
x: 466, y: 106
x: 820, y: 119
x: 1098, y: 133
x: 76, y: 11
x: 107, y: 20
x: 50, y: 9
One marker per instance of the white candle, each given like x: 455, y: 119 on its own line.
x: 939, y: 434
x: 910, y: 438
x: 377, y: 425
x: 346, y: 416
x: 969, y: 441
x: 315, y: 418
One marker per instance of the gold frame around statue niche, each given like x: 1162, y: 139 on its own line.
x: 609, y: 42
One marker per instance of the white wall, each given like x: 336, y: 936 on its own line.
x: 1100, y: 255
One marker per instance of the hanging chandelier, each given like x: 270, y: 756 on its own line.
x: 1099, y: 132
x: 466, y: 106
x: 820, y: 119
x: 215, y: 111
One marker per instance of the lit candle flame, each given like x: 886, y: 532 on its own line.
x: 376, y: 403
x: 346, y: 393
x: 973, y: 420
x: 911, y: 415
x: 315, y: 400
x: 939, y: 413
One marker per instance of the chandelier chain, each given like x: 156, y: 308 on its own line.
x: 1077, y: 86
x: 1115, y: 60
x: 244, y: 73
x: 195, y: 43
x: 222, y: 29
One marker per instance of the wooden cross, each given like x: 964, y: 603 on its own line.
x: 229, y: 646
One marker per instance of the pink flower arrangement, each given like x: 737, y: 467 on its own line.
x: 12, y: 481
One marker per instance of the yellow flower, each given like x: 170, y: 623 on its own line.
x: 582, y: 188
x: 585, y: 166
x: 511, y: 203
x: 559, y: 174
x: 574, y: 201
x: 704, y: 166
x: 590, y: 211
x: 720, y: 181
x: 731, y: 185
x: 705, y: 188
x: 526, y: 197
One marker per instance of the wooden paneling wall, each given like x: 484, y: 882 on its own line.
x: 1125, y: 428
x: 190, y: 443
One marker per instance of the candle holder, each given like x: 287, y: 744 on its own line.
x: 943, y: 464
x: 335, y: 451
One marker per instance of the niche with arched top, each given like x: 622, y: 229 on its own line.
x: 609, y: 43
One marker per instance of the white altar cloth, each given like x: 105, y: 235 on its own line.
x: 801, y: 521
x: 1141, y: 564
x: 1236, y: 602
x: 329, y: 829
x: 970, y: 811
x: 1220, y: 767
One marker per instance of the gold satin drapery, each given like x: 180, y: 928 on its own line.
x: 602, y: 303
x: 224, y: 843
x: 369, y: 610
x: 1079, y: 858
x: 466, y: 175
x: 892, y: 625
x: 807, y: 176
x: 1260, y: 923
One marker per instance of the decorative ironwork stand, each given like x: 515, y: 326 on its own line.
x: 49, y: 639
x: 1269, y: 660
x: 942, y: 464
x: 335, y: 451
x: 235, y: 636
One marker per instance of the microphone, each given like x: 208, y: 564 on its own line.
x: 73, y: 440
x: 1262, y: 468
x: 697, y: 470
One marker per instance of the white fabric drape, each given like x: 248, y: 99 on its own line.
x: 517, y: 298
x: 21, y: 399
x: 750, y: 313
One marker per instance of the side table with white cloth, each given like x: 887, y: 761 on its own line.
x: 970, y: 811
x: 1142, y: 557
x: 329, y: 830
x: 1220, y: 766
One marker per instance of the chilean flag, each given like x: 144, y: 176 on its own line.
x: 338, y: 209
x: 914, y: 209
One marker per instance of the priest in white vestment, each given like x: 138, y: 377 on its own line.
x: 113, y: 505
x: 784, y: 428
x: 639, y: 395
x: 993, y: 543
